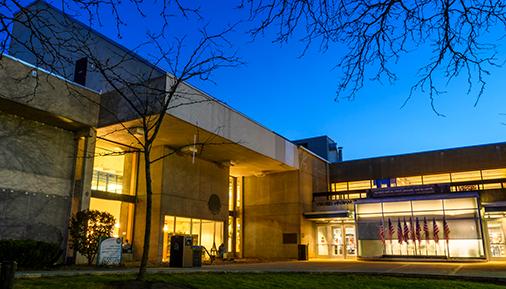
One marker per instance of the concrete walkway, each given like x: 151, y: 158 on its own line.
x: 495, y: 271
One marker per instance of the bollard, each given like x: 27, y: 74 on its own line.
x: 7, y: 271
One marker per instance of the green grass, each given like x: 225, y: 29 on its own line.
x: 249, y: 281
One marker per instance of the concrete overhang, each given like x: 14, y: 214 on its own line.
x: 179, y: 135
x: 249, y: 147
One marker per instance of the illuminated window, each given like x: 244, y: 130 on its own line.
x: 359, y: 185
x: 339, y: 187
x: 494, y: 174
x: 206, y: 233
x: 466, y: 176
x: 436, y: 179
x: 492, y: 186
x: 409, y: 181
x: 231, y: 191
x: 122, y: 212
x: 108, y: 170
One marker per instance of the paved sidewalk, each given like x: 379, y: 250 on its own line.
x: 490, y: 270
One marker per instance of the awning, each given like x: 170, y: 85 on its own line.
x: 327, y: 214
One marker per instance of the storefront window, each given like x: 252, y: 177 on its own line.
x: 420, y: 228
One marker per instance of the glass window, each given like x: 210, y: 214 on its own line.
x: 122, y: 212
x: 492, y: 186
x: 339, y: 187
x: 493, y: 174
x: 426, y: 230
x: 408, y: 181
x: 390, y: 207
x: 196, y: 230
x: 359, y: 185
x: 460, y: 203
x: 183, y: 226
x: 108, y: 168
x: 466, y: 176
x: 369, y: 208
x: 427, y: 205
x: 436, y: 179
x: 238, y: 235
x: 231, y: 193
x: 207, y: 239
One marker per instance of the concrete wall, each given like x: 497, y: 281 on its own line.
x: 180, y: 188
x: 274, y: 204
x: 46, y: 138
x: 36, y: 165
x: 50, y: 98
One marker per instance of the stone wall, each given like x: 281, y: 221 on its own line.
x: 36, y: 165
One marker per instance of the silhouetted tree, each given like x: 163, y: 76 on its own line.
x: 460, y: 34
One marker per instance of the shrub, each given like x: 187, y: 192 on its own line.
x: 30, y: 253
x: 85, y: 229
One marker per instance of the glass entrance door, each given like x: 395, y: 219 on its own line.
x: 351, y: 245
x: 336, y: 240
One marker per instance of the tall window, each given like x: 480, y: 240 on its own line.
x: 235, y: 215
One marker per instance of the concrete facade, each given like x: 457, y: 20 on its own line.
x: 45, y: 123
x: 181, y: 188
x: 274, y: 205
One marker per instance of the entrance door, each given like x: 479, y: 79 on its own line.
x: 351, y: 243
x: 336, y: 240
x: 337, y: 249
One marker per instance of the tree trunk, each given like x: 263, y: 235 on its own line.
x: 147, y: 231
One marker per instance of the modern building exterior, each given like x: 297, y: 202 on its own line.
x: 65, y: 149
x: 437, y: 205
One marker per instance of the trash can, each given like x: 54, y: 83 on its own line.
x: 7, y: 270
x: 303, y: 253
x: 197, y: 256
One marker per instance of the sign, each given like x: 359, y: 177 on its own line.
x: 409, y: 190
x: 322, y: 204
x: 109, y: 252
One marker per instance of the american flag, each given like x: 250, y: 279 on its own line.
x: 406, y: 231
x: 381, y: 232
x: 400, y: 236
x: 391, y: 230
x: 436, y: 230
x: 446, y: 231
x: 412, y: 229
x: 418, y: 231
x: 426, y: 229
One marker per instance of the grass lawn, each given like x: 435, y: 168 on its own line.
x: 246, y: 280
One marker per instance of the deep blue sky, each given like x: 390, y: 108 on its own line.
x: 295, y: 96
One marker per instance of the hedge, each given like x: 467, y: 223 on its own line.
x: 30, y: 253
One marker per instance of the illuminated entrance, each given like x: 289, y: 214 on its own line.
x: 336, y: 240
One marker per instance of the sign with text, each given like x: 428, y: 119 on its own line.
x: 409, y: 190
x: 109, y: 252
x: 322, y: 204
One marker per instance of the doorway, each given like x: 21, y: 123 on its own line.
x: 336, y: 240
